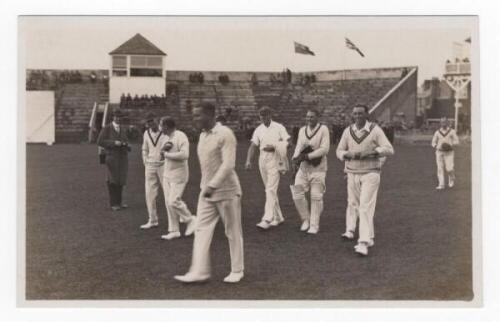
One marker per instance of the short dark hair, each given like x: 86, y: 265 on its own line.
x: 207, y: 108
x: 362, y: 106
x: 167, y: 121
x: 221, y: 118
x: 265, y: 110
x: 314, y: 110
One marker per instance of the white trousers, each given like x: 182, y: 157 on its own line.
x: 176, y: 208
x: 153, y: 182
x: 271, y: 178
x: 208, y: 214
x: 315, y: 183
x: 361, y: 201
x: 445, y: 162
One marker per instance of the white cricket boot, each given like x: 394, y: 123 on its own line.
x: 171, y: 235
x: 305, y: 225
x: 234, y: 277
x: 348, y: 235
x: 192, y: 278
x: 264, y: 225
x: 361, y: 248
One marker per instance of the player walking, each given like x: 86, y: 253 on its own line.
x: 220, y: 197
x: 443, y: 141
x: 312, y: 147
x: 362, y: 146
x: 153, y: 166
x: 271, y: 138
x: 175, y: 149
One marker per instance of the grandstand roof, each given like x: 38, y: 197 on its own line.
x: 137, y: 45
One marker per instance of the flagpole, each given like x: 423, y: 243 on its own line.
x: 343, y: 68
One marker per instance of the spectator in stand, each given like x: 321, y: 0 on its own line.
x: 228, y: 112
x: 288, y: 76
x: 254, y: 79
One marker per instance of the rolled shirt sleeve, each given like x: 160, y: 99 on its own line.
x: 284, y: 134
x: 255, y: 137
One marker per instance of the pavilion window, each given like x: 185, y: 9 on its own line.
x: 146, y: 66
x: 119, y: 64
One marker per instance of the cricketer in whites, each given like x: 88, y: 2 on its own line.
x: 271, y: 139
x: 310, y: 154
x: 220, y: 197
x: 444, y: 139
x: 363, y: 146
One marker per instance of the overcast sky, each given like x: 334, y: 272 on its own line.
x: 248, y: 43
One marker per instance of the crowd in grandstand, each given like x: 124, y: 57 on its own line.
x: 143, y: 101
x: 51, y: 80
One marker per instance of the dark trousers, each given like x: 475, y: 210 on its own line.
x: 115, y: 194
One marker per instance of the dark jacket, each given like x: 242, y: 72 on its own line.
x: 116, y: 156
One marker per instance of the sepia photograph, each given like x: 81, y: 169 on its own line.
x: 208, y: 159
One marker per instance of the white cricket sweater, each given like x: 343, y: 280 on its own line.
x: 369, y: 138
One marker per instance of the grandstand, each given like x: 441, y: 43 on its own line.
x: 388, y: 92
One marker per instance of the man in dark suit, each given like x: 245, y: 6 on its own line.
x: 113, y: 139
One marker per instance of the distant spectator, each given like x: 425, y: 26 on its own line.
x: 228, y: 111
x: 288, y: 76
x: 254, y: 79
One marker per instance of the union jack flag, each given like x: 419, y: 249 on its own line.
x: 349, y: 44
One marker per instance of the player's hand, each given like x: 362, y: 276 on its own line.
x: 207, y: 193
x: 349, y: 156
x: 118, y: 143
x: 167, y: 147
x: 248, y: 165
x: 369, y: 155
x: 301, y: 157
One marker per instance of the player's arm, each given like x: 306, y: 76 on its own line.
x: 434, y: 141
x: 298, y: 147
x: 144, y: 149
x: 228, y: 164
x: 342, y: 148
x: 252, y: 151
x: 182, y: 154
x: 384, y: 147
x: 285, y: 136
